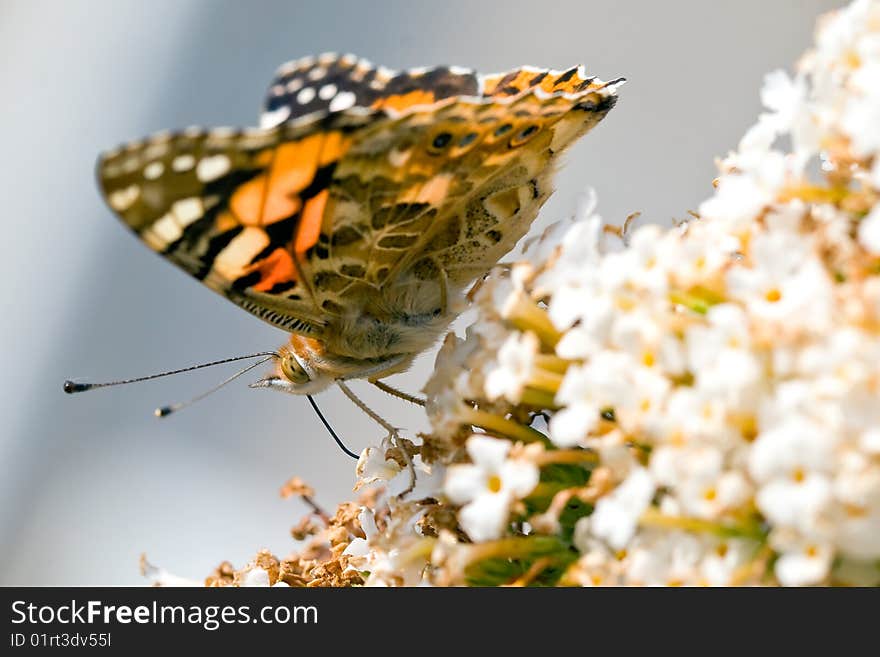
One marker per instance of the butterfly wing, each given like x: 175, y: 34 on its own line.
x: 238, y: 210
x: 337, y: 82
x: 367, y: 210
x: 431, y: 198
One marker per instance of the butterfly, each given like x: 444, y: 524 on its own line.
x: 364, y: 206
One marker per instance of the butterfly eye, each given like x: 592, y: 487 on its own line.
x: 523, y: 135
x: 440, y: 142
x: 293, y: 371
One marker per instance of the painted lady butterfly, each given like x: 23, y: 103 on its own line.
x: 362, y: 208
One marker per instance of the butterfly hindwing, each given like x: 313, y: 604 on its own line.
x: 433, y: 198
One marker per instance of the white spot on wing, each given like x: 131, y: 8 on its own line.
x: 232, y: 260
x: 153, y: 170
x: 183, y: 162
x: 317, y: 73
x: 274, y: 117
x: 327, y: 91
x: 398, y: 158
x: 187, y: 210
x: 122, y: 199
x: 385, y: 74
x: 305, y: 96
x: 342, y: 101
x: 294, y: 85
x: 223, y: 132
x: 212, y: 167
x: 166, y: 230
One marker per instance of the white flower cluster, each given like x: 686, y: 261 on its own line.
x: 725, y: 374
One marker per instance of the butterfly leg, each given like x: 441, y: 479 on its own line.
x: 393, y: 434
x: 394, y: 392
x: 444, y: 292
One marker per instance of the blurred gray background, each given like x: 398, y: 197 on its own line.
x: 89, y: 482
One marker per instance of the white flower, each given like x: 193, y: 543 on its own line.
x: 740, y: 196
x: 860, y: 121
x: 647, y: 341
x: 784, y: 283
x: 790, y: 112
x: 723, y: 560
x: 358, y: 550
x: 617, y: 514
x: 869, y: 229
x: 790, y: 462
x: 516, y: 363
x: 373, y: 466
x: 643, y: 409
x: 588, y: 390
x: 875, y: 174
x: 801, y: 562
x: 699, y: 416
x: 256, y: 576
x: 161, y: 577
x: 488, y: 486
x: 720, y: 356
x: 784, y: 96
x: 704, y: 250
x: 580, y: 250
x: 696, y: 476
x: 664, y: 558
x: 647, y: 267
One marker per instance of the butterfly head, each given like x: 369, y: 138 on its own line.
x: 298, y: 370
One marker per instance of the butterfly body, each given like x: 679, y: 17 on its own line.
x: 365, y: 206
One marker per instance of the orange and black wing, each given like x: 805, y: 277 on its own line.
x: 415, y: 179
x: 238, y: 210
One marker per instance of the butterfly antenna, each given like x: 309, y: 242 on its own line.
x: 165, y: 411
x: 330, y: 429
x: 71, y: 387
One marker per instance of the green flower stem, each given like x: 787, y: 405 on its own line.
x: 545, y: 380
x: 497, y: 424
x: 421, y: 550
x: 697, y: 299
x: 653, y: 518
x: 568, y: 456
x: 538, y: 398
x: 814, y: 193
x: 517, y: 547
x: 552, y: 363
x: 525, y: 315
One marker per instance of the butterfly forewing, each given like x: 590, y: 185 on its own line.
x: 236, y: 210
x: 337, y: 82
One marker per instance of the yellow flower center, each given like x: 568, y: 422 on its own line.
x: 494, y: 483
x: 773, y: 295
